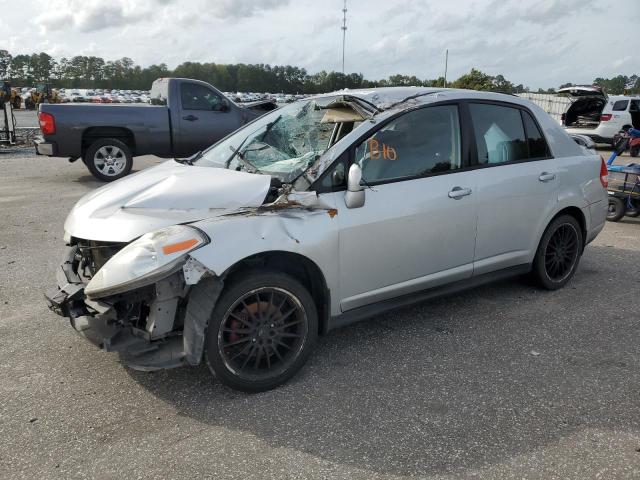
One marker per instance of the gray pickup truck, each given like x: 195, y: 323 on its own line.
x: 184, y: 117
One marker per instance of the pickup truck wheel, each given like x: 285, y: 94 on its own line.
x: 108, y: 159
x: 261, y: 332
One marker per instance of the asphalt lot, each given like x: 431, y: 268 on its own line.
x: 506, y: 381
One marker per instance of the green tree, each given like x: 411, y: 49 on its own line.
x: 5, y: 64
x: 475, y: 80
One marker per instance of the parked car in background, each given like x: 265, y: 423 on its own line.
x: 595, y: 114
x: 186, y: 117
x: 321, y: 213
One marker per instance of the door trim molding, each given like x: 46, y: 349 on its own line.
x: 407, y: 287
x: 377, y: 308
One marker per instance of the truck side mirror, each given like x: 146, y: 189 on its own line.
x: 354, y: 197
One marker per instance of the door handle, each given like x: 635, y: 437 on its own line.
x: 458, y: 192
x: 546, y: 177
x: 190, y: 118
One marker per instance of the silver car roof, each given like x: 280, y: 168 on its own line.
x: 393, y: 97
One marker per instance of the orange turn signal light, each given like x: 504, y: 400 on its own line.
x: 180, y: 246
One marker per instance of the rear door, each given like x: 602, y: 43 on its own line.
x: 517, y: 181
x: 204, y: 118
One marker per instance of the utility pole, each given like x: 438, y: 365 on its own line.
x: 446, y: 66
x: 344, y: 32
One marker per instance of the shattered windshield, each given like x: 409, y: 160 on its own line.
x: 286, y: 142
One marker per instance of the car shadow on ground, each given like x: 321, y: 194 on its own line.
x: 448, y: 385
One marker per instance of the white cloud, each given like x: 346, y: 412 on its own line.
x: 534, y: 42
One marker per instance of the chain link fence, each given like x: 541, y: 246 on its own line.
x: 554, y: 105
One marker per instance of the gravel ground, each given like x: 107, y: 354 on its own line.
x: 505, y: 381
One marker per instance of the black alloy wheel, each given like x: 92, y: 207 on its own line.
x: 562, y: 252
x: 558, y: 253
x: 261, y: 332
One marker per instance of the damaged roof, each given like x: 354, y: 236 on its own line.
x: 386, y: 98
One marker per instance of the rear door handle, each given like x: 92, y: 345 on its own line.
x: 190, y: 118
x: 458, y: 192
x: 547, y: 177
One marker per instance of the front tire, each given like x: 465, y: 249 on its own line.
x: 616, y: 209
x: 558, y: 254
x: 108, y: 159
x: 261, y: 332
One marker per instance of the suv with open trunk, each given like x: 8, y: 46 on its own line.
x: 595, y: 114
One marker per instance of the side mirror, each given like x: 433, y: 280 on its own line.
x: 354, y: 197
x: 225, y: 106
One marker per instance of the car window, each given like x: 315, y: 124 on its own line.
x: 417, y: 143
x: 499, y: 133
x: 535, y: 140
x: 635, y: 106
x: 620, y: 105
x: 159, y: 92
x: 199, y: 97
x: 335, y: 178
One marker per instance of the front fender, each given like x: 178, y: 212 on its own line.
x: 310, y: 233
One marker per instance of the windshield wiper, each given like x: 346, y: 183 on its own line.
x: 270, y: 126
x: 236, y: 151
x: 240, y: 155
x: 190, y: 160
x: 248, y: 165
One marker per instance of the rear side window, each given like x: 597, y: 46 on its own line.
x: 158, y: 94
x: 535, y: 140
x: 620, y: 105
x: 499, y: 133
x: 506, y: 134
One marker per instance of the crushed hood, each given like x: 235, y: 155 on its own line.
x: 167, y: 194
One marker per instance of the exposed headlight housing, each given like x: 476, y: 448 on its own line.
x: 146, y: 260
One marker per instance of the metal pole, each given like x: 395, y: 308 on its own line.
x: 446, y: 67
x: 344, y: 32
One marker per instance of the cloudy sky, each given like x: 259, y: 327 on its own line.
x: 539, y: 43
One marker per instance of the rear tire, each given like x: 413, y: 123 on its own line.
x: 108, y: 159
x: 616, y: 209
x: 261, y: 332
x: 558, y: 254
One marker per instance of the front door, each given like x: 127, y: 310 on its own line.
x: 204, y: 118
x: 417, y: 227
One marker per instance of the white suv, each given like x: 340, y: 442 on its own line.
x: 597, y: 115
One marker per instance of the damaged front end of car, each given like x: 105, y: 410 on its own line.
x: 147, y: 300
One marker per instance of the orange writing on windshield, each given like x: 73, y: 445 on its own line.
x: 386, y: 153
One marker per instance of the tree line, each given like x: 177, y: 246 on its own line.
x: 94, y: 72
